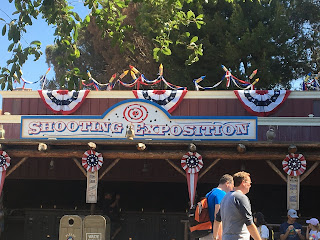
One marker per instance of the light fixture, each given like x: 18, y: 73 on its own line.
x: 92, y: 145
x: 51, y: 164
x: 141, y: 146
x: 145, y: 167
x: 130, y: 132
x: 2, y: 132
x: 42, y: 147
x: 192, y: 147
x: 271, y: 133
x: 241, y: 148
x: 292, y: 149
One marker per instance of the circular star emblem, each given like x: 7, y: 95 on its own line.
x: 192, y: 161
x: 294, y: 164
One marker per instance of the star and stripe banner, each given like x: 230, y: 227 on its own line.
x: 294, y: 164
x: 262, y: 103
x: 4, y: 164
x: 92, y: 161
x: 167, y: 99
x: 192, y: 163
x: 63, y: 101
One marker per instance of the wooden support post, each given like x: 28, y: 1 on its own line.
x: 109, y: 168
x: 176, y: 168
x: 80, y: 166
x: 310, y: 170
x: 274, y: 168
x: 16, y: 166
x: 208, y: 168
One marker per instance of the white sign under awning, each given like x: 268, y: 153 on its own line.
x: 149, y: 120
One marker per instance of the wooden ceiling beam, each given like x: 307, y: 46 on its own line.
x: 158, y: 154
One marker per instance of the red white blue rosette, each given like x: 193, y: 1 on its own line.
x: 4, y: 164
x: 192, y: 162
x: 294, y: 164
x: 4, y: 161
x: 92, y: 161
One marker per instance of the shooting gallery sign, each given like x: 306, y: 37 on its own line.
x: 148, y: 119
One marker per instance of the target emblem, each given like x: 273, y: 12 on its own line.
x: 135, y: 113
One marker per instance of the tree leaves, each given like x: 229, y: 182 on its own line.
x: 270, y: 35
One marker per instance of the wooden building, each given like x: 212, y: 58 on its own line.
x: 152, y: 180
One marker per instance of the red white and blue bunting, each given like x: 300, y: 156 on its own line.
x: 262, y: 102
x: 63, y: 101
x: 4, y: 164
x: 192, y: 163
x: 168, y: 99
x: 294, y: 164
x: 92, y: 161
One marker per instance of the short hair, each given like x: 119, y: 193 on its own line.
x: 226, y: 178
x: 239, y: 177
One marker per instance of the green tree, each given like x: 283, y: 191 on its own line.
x: 191, y: 37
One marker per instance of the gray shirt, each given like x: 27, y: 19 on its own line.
x: 235, y: 214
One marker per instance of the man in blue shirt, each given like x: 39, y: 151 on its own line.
x: 214, y: 199
x: 291, y: 230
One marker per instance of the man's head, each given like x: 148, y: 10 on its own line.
x: 226, y: 183
x: 292, y: 215
x: 242, y: 181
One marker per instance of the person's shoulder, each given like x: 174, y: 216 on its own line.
x: 239, y: 195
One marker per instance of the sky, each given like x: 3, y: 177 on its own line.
x: 39, y: 30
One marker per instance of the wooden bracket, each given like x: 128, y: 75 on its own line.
x: 274, y: 168
x: 310, y: 170
x: 208, y: 168
x: 176, y: 168
x: 80, y: 166
x: 16, y: 166
x: 109, y: 168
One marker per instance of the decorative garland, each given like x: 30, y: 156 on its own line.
x: 294, y: 164
x: 229, y: 79
x: 92, y: 161
x: 311, y: 82
x: 192, y: 162
x: 137, y: 81
x: 43, y: 78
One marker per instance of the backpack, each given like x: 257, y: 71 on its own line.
x: 271, y: 233
x: 199, y: 219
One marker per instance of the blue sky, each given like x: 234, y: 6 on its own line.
x: 39, y: 30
